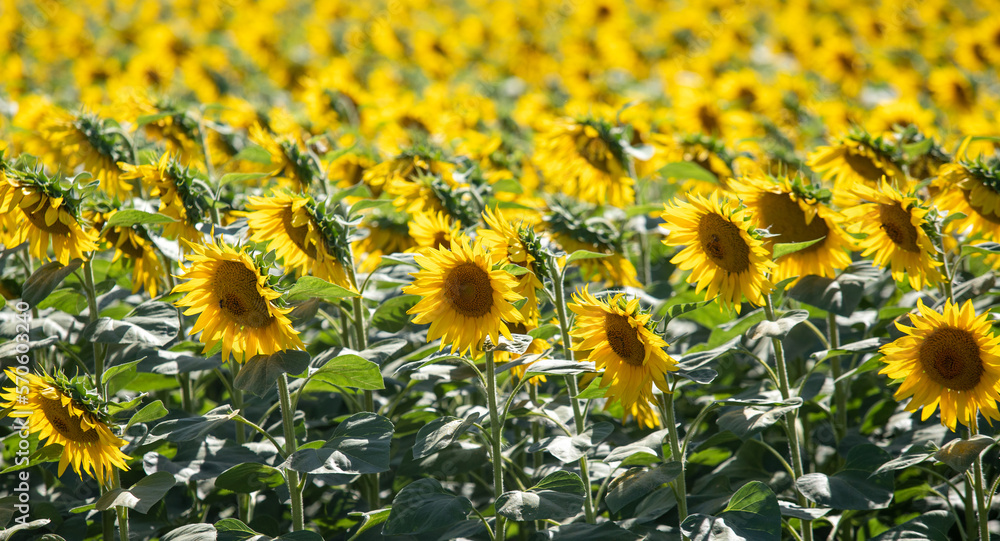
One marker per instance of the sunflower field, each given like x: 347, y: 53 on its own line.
x: 470, y: 269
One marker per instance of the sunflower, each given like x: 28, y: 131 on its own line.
x: 36, y: 211
x: 402, y: 177
x: 84, y: 140
x: 720, y: 248
x: 949, y: 359
x: 387, y: 234
x: 288, y: 224
x: 856, y: 158
x: 180, y: 196
x: 87, y: 442
x: 132, y: 246
x: 621, y: 340
x: 973, y: 189
x: 891, y: 226
x: 705, y: 151
x: 463, y: 297
x: 795, y: 211
x: 515, y: 246
x: 289, y: 162
x: 231, y: 294
x: 433, y: 230
x: 571, y: 232
x: 584, y: 159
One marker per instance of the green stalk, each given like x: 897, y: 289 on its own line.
x: 839, y: 387
x: 243, y: 508
x: 361, y: 336
x: 579, y: 415
x: 983, y: 511
x: 292, y: 476
x: 791, y: 418
x: 496, y: 436
x: 121, y: 510
x: 537, y: 431
x: 680, y: 484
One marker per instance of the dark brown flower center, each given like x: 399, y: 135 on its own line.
x: 951, y: 358
x: 624, y: 339
x: 236, y: 288
x: 785, y: 218
x: 469, y: 290
x: 988, y: 216
x: 37, y: 219
x: 896, y: 224
x: 297, y: 233
x: 863, y: 166
x: 65, y: 424
x: 723, y: 244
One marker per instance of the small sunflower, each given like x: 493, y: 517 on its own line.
x: 405, y: 168
x: 509, y: 245
x: 856, y: 158
x: 620, y: 339
x: 84, y: 140
x: 720, y: 249
x: 892, y: 227
x: 292, y: 165
x: 795, y: 211
x: 705, y: 151
x: 231, y: 294
x: 971, y: 188
x: 179, y: 194
x: 133, y: 247
x: 463, y: 297
x: 36, y: 211
x: 288, y: 224
x: 585, y: 159
x: 433, y: 229
x: 87, y: 442
x: 949, y: 359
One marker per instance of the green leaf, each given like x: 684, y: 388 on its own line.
x: 780, y: 328
x: 959, y: 454
x: 840, y: 296
x: 856, y: 486
x: 66, y: 300
x: 249, y: 477
x: 516, y: 345
x: 580, y: 255
x: 919, y: 148
x: 351, y: 371
x: 141, y: 496
x: 194, y: 428
x: 440, y: 433
x: 368, y: 521
x: 365, y: 204
x: 130, y: 217
x: 750, y: 420
x: 254, y: 153
x: 359, y: 445
x: 544, y: 332
x: 639, y: 482
x: 507, y: 185
x: 8, y: 532
x: 784, y: 248
x: 675, y: 310
x: 150, y: 412
x: 558, y: 367
x: 260, y: 373
x: 45, y: 280
x: 581, y: 531
x: 572, y: 448
x: 753, y: 514
x: 309, y: 287
x: 559, y: 495
x: 230, y: 178
x: 687, y: 171
x: 593, y: 391
x: 425, y: 506
x: 116, y: 377
x: 985, y: 248
x: 152, y: 322
x: 643, y: 209
x: 391, y: 316
x: 929, y: 526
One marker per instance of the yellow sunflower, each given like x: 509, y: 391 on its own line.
x: 971, y: 189
x: 583, y: 159
x: 174, y: 185
x: 132, y: 247
x: 289, y: 163
x: 409, y: 178
x: 949, y: 359
x: 433, y: 230
x: 891, y: 226
x: 463, y: 297
x: 620, y: 340
x: 719, y: 248
x: 387, y: 234
x: 87, y: 442
x: 287, y: 224
x: 791, y: 210
x: 505, y: 242
x: 83, y: 140
x: 856, y: 158
x: 231, y: 294
x: 35, y: 211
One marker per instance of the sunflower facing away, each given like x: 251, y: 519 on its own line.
x: 792, y: 210
x: 133, y: 247
x: 856, y: 158
x: 463, y: 297
x: 891, y: 226
x: 583, y: 159
x: 949, y: 359
x: 620, y: 340
x: 179, y: 197
x: 719, y: 249
x: 505, y: 242
x: 230, y: 293
x: 973, y: 189
x: 88, y: 443
x: 433, y: 230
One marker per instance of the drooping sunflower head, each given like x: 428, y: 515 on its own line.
x: 516, y: 245
x: 290, y: 163
x: 133, y: 246
x: 949, y: 359
x: 721, y: 249
x: 59, y: 417
x: 465, y: 296
x: 36, y: 210
x: 85, y: 139
x: 586, y: 159
x: 793, y: 211
x: 415, y: 179
x: 972, y: 187
x: 621, y: 340
x: 857, y: 158
x: 235, y: 303
x: 290, y: 225
x: 893, y: 227
x: 181, y: 196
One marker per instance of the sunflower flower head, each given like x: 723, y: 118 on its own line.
x: 88, y: 140
x: 61, y: 415
x: 585, y: 158
x: 620, y: 339
x: 235, y: 303
x: 465, y: 296
x: 182, y: 195
x: 857, y: 158
x: 721, y: 249
x: 514, y: 246
x: 949, y: 359
x: 972, y: 187
x: 133, y: 246
x: 572, y: 232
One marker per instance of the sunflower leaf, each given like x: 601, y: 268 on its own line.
x: 368, y: 520
x: 194, y: 428
x: 230, y: 178
x: 559, y: 495
x: 856, y: 486
x: 985, y: 248
x: 350, y: 371
x: 391, y: 315
x: 260, y: 372
x: 254, y: 153
x: 929, y: 526
x: 780, y: 328
x: 440, y: 433
x: 516, y: 344
x: 687, y: 171
x: 425, y: 506
x: 45, y: 280
x: 130, y: 217
x: 366, y: 204
x: 750, y: 420
x: 140, y: 496
x: 639, y: 482
x: 753, y: 514
x: 309, y: 287
x: 571, y: 448
x: 840, y: 296
x: 359, y: 445
x: 782, y: 249
x: 249, y: 477
x: 150, y: 412
x: 580, y: 255
x: 559, y: 367
x: 960, y: 453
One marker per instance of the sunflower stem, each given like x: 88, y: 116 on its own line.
x: 839, y: 387
x: 243, y: 500
x: 680, y: 484
x: 579, y: 414
x: 982, y: 510
x: 537, y: 431
x: 361, y: 335
x: 292, y: 476
x: 496, y: 433
x: 792, y: 422
x: 121, y: 510
x: 88, y: 278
